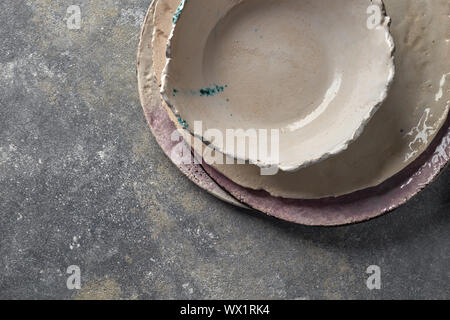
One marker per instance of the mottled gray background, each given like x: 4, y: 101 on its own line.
x: 83, y: 182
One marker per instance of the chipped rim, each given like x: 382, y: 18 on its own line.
x: 371, y: 108
x: 159, y: 122
x: 353, y: 208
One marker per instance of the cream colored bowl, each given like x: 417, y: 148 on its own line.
x: 314, y: 70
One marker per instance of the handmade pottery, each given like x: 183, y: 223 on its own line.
x: 314, y: 71
x: 158, y: 117
x: 357, y: 206
x: 399, y: 132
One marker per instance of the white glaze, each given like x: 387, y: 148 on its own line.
x: 423, y: 46
x: 316, y: 60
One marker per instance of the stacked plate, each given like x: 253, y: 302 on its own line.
x: 353, y: 140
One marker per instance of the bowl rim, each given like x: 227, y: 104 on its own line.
x: 372, y: 107
x: 424, y: 169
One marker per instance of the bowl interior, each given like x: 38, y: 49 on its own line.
x: 311, y: 69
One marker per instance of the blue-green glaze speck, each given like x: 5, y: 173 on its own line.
x: 203, y: 92
x: 208, y: 92
x: 183, y: 123
x: 177, y: 14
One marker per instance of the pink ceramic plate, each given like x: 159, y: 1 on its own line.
x: 356, y: 207
x: 157, y: 117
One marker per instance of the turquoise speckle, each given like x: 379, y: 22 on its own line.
x: 208, y: 92
x: 211, y: 91
x: 203, y: 92
x: 228, y: 100
x: 177, y: 14
x: 183, y: 123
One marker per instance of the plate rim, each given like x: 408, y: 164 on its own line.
x: 346, y: 209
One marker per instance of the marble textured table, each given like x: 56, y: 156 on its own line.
x: 83, y: 182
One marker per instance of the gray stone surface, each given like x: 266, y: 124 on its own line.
x: 83, y: 182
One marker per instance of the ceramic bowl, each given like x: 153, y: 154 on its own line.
x: 357, y: 206
x: 315, y: 71
x: 400, y: 131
